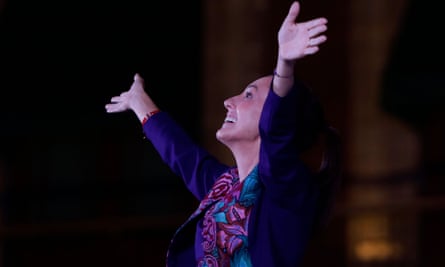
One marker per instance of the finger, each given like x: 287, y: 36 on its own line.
x: 317, y: 40
x: 315, y: 22
x: 294, y: 10
x: 317, y: 30
x: 115, y: 99
x: 111, y: 108
x: 311, y: 50
x: 138, y: 77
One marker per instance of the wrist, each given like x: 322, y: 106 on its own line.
x: 148, y: 115
x: 287, y: 76
x: 284, y: 69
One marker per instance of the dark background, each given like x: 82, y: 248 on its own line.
x: 80, y: 187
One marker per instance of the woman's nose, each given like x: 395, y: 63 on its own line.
x: 228, y: 103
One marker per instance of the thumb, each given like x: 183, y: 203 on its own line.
x: 138, y: 78
x: 294, y: 10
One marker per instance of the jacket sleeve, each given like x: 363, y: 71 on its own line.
x: 286, y: 178
x: 192, y: 163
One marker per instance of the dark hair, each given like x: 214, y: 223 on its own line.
x: 328, y: 177
x: 313, y: 128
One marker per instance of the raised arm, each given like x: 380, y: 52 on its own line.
x: 197, y: 168
x: 283, y: 125
x: 295, y: 40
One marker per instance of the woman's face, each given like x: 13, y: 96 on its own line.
x: 243, y: 113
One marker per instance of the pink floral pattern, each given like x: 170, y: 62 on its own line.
x: 209, y: 233
x: 208, y: 262
x: 225, y: 223
x: 221, y: 187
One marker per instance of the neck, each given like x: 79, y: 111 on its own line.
x: 246, y: 158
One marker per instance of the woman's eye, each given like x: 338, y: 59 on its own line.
x: 248, y: 95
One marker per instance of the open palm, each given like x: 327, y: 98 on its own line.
x: 126, y: 100
x: 297, y: 40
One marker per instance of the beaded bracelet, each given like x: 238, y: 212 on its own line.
x: 148, y: 115
x: 275, y: 73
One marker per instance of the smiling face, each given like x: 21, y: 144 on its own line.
x: 243, y: 114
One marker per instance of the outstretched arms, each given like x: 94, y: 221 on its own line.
x: 296, y: 40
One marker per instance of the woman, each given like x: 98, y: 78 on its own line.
x: 262, y: 211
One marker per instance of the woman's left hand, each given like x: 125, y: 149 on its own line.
x: 298, y: 39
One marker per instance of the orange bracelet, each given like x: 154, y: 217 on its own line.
x: 148, y: 115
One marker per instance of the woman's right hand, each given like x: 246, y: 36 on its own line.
x: 135, y: 99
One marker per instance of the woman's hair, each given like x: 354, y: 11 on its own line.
x: 328, y: 176
x: 314, y: 128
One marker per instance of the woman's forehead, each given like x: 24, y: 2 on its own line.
x: 262, y: 83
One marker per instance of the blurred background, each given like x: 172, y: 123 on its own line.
x: 79, y: 187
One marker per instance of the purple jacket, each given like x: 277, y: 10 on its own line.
x: 281, y: 221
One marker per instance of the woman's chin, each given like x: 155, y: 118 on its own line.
x: 222, y: 135
x: 219, y: 135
